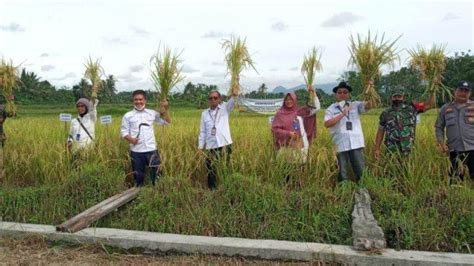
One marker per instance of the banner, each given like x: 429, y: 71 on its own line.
x: 262, y: 106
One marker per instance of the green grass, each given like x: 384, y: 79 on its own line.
x: 413, y: 204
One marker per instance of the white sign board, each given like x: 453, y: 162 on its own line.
x: 106, y: 119
x: 262, y: 106
x: 65, y: 117
x: 270, y: 119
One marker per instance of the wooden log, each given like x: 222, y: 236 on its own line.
x: 98, y: 211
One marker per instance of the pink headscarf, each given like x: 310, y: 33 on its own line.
x: 283, y: 122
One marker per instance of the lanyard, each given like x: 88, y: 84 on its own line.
x: 214, y: 119
x: 348, y: 113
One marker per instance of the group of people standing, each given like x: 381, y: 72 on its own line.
x: 294, y: 128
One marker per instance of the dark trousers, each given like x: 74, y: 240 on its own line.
x: 353, y: 157
x: 457, y: 158
x: 140, y: 160
x: 213, y: 158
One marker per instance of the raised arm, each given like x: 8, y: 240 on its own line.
x: 164, y: 112
x: 93, y: 111
x: 316, y: 104
x: 229, y: 106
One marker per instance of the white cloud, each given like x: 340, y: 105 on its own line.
x: 279, y: 26
x: 128, y: 77
x: 213, y: 74
x: 12, y: 27
x: 66, y: 76
x: 189, y: 69
x: 114, y: 40
x: 47, y: 68
x: 215, y: 34
x: 44, y: 55
x: 341, y: 19
x: 140, y: 32
x: 136, y: 68
x: 451, y: 16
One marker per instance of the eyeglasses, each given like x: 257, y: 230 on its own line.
x: 213, y: 98
x: 342, y: 92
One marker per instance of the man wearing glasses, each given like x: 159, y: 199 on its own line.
x: 343, y: 120
x: 214, y: 134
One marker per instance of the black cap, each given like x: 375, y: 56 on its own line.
x: 463, y: 85
x: 342, y: 85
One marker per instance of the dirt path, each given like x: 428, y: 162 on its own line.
x: 37, y: 251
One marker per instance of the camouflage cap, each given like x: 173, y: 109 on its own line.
x: 398, y: 91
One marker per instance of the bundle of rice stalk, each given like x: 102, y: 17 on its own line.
x: 166, y: 71
x: 430, y: 63
x: 8, y: 81
x: 94, y: 72
x: 369, y: 55
x: 237, y: 58
x: 311, y: 64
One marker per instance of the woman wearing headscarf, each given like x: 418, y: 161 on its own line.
x: 82, y: 132
x: 294, y: 128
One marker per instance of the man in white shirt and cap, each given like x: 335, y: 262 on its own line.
x: 214, y: 134
x: 137, y: 129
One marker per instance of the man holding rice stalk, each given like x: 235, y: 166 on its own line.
x: 137, y: 125
x: 457, y: 120
x: 398, y: 124
x: 214, y: 134
x: 214, y: 131
x: 343, y: 120
x: 137, y: 129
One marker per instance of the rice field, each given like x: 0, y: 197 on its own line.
x: 413, y: 203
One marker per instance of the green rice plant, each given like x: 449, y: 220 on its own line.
x: 8, y: 81
x: 430, y: 63
x: 166, y: 71
x: 368, y: 56
x: 311, y: 65
x: 411, y: 200
x: 237, y: 58
x: 94, y: 73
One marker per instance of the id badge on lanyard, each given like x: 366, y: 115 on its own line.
x: 213, y: 130
x: 348, y: 123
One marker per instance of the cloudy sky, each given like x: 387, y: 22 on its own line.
x: 54, y: 38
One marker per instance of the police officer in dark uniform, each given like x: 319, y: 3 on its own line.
x: 456, y: 121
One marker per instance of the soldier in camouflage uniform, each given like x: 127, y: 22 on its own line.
x: 398, y: 124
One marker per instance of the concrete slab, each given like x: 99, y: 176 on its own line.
x: 228, y: 246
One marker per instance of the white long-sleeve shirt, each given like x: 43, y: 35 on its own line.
x: 131, y: 122
x: 218, y: 118
x: 77, y: 135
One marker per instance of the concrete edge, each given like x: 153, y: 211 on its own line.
x: 228, y: 246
